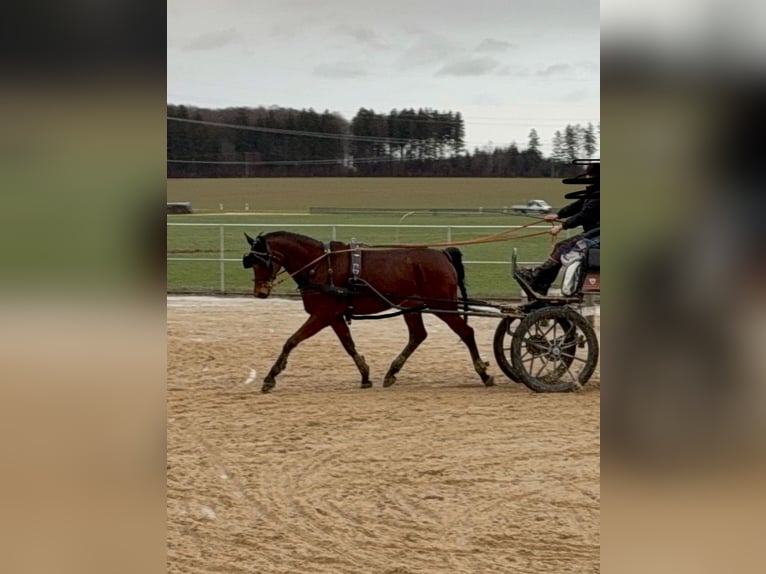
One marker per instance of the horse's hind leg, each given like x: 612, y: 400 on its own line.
x: 465, y: 332
x: 417, y: 335
x: 341, y: 329
x: 311, y: 327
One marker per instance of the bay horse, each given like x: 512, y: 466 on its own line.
x: 333, y: 291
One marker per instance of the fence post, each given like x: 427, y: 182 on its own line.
x: 334, y: 233
x: 449, y: 234
x: 222, y: 262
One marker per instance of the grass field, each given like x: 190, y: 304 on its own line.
x: 284, y: 204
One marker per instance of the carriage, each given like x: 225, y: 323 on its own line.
x: 546, y: 342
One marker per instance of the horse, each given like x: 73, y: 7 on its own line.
x: 334, y: 291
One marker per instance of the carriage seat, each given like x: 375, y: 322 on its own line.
x: 593, y: 259
x: 589, y: 281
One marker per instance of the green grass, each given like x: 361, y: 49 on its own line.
x: 299, y: 194
x: 284, y: 203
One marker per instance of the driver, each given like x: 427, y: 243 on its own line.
x: 585, y: 213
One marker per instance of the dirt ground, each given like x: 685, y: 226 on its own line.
x: 436, y: 474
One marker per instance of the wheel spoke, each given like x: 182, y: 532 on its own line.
x: 556, y: 367
x: 568, y: 346
x: 545, y: 364
x: 575, y: 357
x: 545, y: 335
x: 526, y: 353
x: 574, y: 379
x: 530, y: 345
x: 567, y: 339
x: 561, y: 368
x: 572, y: 330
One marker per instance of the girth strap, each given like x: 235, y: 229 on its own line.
x: 328, y: 250
x: 356, y: 263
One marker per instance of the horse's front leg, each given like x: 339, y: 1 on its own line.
x: 311, y: 327
x: 344, y: 334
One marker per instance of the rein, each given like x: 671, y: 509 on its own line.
x: 501, y: 236
x: 495, y: 237
x: 294, y: 273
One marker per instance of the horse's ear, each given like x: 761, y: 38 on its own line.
x: 250, y: 240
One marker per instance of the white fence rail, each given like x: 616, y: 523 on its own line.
x: 333, y: 229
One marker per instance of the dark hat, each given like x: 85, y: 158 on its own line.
x: 589, y: 191
x: 591, y: 175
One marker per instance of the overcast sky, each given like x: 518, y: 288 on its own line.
x: 506, y: 65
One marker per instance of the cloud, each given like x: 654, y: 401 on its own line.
x: 347, y: 37
x: 553, y: 70
x: 588, y: 66
x: 361, y: 35
x: 427, y: 51
x: 575, y: 96
x: 468, y: 67
x: 340, y: 70
x: 490, y: 45
x: 485, y: 99
x: 213, y: 40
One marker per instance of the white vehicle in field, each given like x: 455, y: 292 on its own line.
x: 533, y: 207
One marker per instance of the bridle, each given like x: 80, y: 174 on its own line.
x: 265, y: 259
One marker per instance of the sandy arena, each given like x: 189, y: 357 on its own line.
x: 436, y: 474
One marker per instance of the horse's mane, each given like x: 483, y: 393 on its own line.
x: 290, y: 234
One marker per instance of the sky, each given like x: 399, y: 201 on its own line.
x: 507, y: 65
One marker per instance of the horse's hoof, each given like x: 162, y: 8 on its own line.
x: 489, y: 382
x: 267, y: 386
x: 388, y: 381
x: 366, y: 385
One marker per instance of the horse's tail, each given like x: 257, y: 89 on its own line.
x: 456, y: 257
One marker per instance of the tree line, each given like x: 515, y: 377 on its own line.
x: 279, y: 142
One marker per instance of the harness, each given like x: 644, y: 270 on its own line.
x: 355, y: 280
x: 356, y: 264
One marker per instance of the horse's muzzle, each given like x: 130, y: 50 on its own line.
x: 262, y: 291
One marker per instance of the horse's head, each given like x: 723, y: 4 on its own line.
x: 264, y: 263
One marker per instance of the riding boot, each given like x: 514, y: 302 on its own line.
x: 544, y: 276
x: 540, y: 278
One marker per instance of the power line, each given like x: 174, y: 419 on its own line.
x: 350, y: 160
x: 287, y: 132
x: 303, y: 133
x: 327, y: 135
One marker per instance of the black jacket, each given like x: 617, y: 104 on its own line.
x: 585, y: 212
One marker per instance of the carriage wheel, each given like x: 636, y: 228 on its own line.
x: 502, y: 347
x: 554, y: 349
